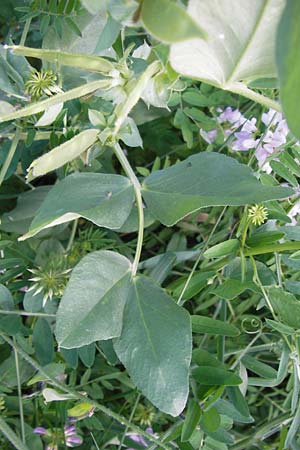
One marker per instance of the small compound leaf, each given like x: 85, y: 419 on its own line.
x: 92, y: 306
x: 210, y: 376
x: 285, y: 305
x: 104, y: 199
x: 155, y: 345
x: 205, y: 179
x: 207, y: 325
x: 191, y: 420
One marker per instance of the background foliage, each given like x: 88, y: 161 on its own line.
x: 149, y: 185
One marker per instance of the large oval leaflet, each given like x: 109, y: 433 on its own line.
x: 156, y: 345
x: 104, y: 199
x: 240, y: 44
x: 204, y: 179
x: 92, y: 306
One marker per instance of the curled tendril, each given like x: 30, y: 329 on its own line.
x: 251, y: 325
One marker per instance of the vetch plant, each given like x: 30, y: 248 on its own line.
x: 154, y: 182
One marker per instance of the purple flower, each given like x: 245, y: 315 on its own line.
x: 234, y: 117
x: 71, y: 436
x: 139, y: 439
x: 274, y: 138
x: 271, y: 117
x: 244, y: 138
x: 261, y: 154
x: 41, y: 430
x: 209, y: 136
x: 244, y: 141
x: 250, y: 125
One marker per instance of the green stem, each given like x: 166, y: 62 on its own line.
x: 72, y: 236
x: 278, y: 269
x: 24, y: 313
x: 25, y: 31
x: 130, y: 420
x: 221, y: 339
x: 271, y: 248
x: 11, y: 436
x: 242, y: 89
x: 139, y: 203
x: 10, y: 155
x: 263, y: 432
x: 180, y: 301
x: 81, y: 397
x: 19, y: 393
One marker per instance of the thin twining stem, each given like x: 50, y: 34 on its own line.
x: 139, y: 203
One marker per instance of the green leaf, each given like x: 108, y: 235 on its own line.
x: 92, y: 306
x: 94, y: 6
x: 264, y: 237
x: 19, y: 219
x: 198, y: 282
x: 204, y: 179
x: 209, y: 376
x: 109, y: 35
x: 6, y: 299
x: 238, y: 400
x: 62, y: 154
x: 284, y: 172
x: 240, y: 45
x: 87, y: 354
x: 288, y: 64
x: 43, y: 342
x: 285, y: 305
x: 210, y: 420
x: 191, y: 420
x: 231, y: 289
x: 278, y: 326
x: 223, y: 249
x: 258, y: 367
x: 168, y: 21
x: 202, y: 324
x: 202, y: 357
x: 104, y: 199
x: 155, y: 345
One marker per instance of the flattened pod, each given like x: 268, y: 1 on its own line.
x: 62, y: 154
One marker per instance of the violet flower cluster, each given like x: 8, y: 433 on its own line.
x: 267, y: 145
x: 139, y: 439
x: 69, y: 437
x: 246, y: 135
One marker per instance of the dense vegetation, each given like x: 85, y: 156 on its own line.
x: 150, y: 245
